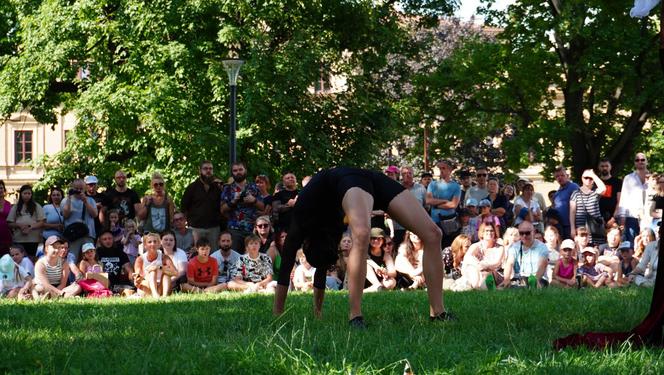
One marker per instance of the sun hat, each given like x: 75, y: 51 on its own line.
x: 567, y: 244
x: 377, y: 232
x: 87, y: 247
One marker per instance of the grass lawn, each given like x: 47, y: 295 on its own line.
x: 505, y: 332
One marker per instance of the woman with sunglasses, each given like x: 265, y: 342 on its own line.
x: 318, y: 223
x: 263, y: 229
x: 156, y: 209
x: 584, y: 207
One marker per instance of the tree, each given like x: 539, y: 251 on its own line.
x: 146, y: 84
x: 589, y: 55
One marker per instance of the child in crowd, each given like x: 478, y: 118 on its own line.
x: 486, y: 217
x: 465, y: 221
x: 15, y: 281
x: 303, y: 280
x: 114, y: 226
x: 552, y: 241
x: 627, y: 264
x: 592, y: 273
x: 253, y: 272
x: 202, y: 271
x: 95, y: 282
x: 20, y: 257
x: 332, y: 281
x: 564, y: 272
x: 131, y: 240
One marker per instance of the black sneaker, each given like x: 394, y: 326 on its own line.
x: 444, y: 317
x: 358, y: 322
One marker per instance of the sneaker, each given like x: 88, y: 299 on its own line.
x: 445, y: 316
x: 490, y: 282
x: 358, y: 322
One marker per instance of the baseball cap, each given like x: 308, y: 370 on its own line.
x: 471, y: 202
x: 485, y: 203
x: 567, y: 244
x: 589, y: 250
x: 90, y: 180
x: 392, y: 169
x: 53, y: 239
x: 87, y: 247
x: 625, y: 245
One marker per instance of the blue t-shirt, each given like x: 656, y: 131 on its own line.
x: 561, y: 201
x: 526, y: 262
x: 443, y: 190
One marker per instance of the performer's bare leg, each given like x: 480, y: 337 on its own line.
x: 357, y: 205
x: 407, y: 211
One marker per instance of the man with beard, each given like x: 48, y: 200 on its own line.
x: 122, y: 198
x: 284, y: 201
x: 116, y: 263
x: 200, y: 204
x: 240, y: 202
x: 608, y: 201
x: 226, y: 260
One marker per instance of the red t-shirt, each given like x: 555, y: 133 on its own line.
x: 202, y: 272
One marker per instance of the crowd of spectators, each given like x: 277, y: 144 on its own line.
x: 88, y: 240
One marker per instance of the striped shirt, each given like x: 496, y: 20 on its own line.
x: 54, y: 273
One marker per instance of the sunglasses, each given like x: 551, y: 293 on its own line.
x: 158, y: 184
x: 262, y: 225
x: 527, y: 233
x: 566, y: 249
x: 639, y: 160
x: 376, y: 238
x: 481, y: 175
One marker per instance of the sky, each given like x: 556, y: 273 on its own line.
x: 468, y: 7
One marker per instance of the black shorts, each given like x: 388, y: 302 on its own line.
x: 382, y: 188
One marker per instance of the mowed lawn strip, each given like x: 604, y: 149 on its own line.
x: 506, y: 331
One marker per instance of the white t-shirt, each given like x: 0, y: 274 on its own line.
x: 533, y: 207
x: 180, y: 260
x: 225, y: 265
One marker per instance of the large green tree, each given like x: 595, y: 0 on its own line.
x: 578, y: 78
x: 146, y: 83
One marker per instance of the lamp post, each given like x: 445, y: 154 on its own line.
x: 232, y: 67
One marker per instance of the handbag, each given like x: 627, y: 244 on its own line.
x: 77, y: 230
x: 594, y: 224
x: 449, y: 226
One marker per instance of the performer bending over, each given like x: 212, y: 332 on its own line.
x: 318, y: 223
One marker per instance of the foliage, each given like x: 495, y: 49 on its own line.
x: 565, y: 82
x: 146, y: 83
x: 503, y: 332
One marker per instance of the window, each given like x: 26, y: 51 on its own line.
x: 22, y: 146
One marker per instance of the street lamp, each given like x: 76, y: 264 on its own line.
x: 232, y: 67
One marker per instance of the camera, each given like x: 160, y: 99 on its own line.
x: 74, y: 192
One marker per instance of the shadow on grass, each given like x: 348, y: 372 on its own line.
x: 230, y: 333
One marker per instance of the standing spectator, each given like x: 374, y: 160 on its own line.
x: 656, y: 213
x: 527, y: 208
x: 116, y: 263
x: 418, y: 191
x: 584, y: 207
x: 480, y: 190
x: 443, y: 196
x: 425, y: 179
x: 201, y: 203
x: 562, y: 197
x: 284, y: 200
x: 122, y: 198
x: 608, y: 200
x: 526, y: 260
x: 78, y: 208
x: 499, y: 203
x: 184, y: 236
x: 156, y: 209
x: 26, y: 219
x: 226, y: 260
x: 54, y: 221
x: 632, y: 205
x: 521, y: 182
x: 466, y: 181
x: 91, y: 184
x: 5, y: 232
x: 264, y: 186
x: 240, y: 202
x: 392, y: 172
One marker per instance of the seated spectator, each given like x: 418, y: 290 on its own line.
x: 465, y: 221
x: 26, y: 220
x: 582, y: 240
x: 453, y: 255
x: 609, y: 253
x: 52, y: 272
x: 20, y: 257
x: 274, y: 252
x: 486, y: 216
x: 642, y: 240
x: 153, y: 270
x: 483, y: 260
x: 114, y: 226
x: 552, y: 242
x: 202, y: 271
x: 345, y: 245
x: 131, y: 240
x: 87, y: 260
x: 592, y: 273
x: 332, y: 280
x: 499, y: 203
x: 53, y: 214
x: 178, y: 256
x: 263, y: 229
x: 75, y: 273
x: 408, y: 263
x: 627, y: 265
x: 115, y: 263
x: 184, y: 236
x: 526, y: 260
x: 226, y: 259
x: 552, y: 218
x: 510, y: 237
x: 94, y: 281
x: 303, y: 278
x: 564, y: 272
x: 15, y: 281
x: 645, y: 272
x: 381, y: 273
x: 253, y: 271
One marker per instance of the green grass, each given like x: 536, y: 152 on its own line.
x: 503, y: 332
